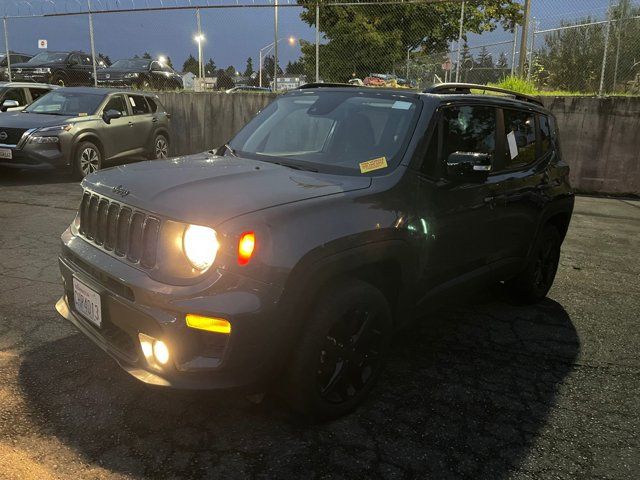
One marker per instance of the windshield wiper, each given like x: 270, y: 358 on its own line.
x: 293, y: 166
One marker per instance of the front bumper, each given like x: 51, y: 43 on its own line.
x: 36, y: 157
x: 120, y: 82
x: 133, y: 303
x: 31, y: 77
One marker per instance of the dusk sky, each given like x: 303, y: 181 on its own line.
x: 232, y: 34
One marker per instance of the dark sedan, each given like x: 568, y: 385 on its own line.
x: 140, y: 73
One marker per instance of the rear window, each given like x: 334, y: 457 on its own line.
x: 520, y: 141
x: 138, y: 104
x: 152, y: 104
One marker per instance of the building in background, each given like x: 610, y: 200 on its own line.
x: 289, y: 83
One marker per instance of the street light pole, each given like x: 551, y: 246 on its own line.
x: 275, y: 47
x: 199, y: 39
x: 93, y: 47
x: 317, y: 41
x: 6, y: 45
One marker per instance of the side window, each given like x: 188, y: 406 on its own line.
x: 16, y: 94
x: 117, y: 103
x: 138, y: 104
x: 37, y: 93
x: 545, y: 134
x: 152, y: 104
x: 74, y: 59
x: 468, y: 129
x: 520, y: 141
x: 155, y: 67
x: 86, y: 60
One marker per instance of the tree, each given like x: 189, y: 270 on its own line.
x: 268, y: 67
x: 191, y: 65
x: 571, y: 59
x: 146, y: 55
x: 231, y: 71
x: 224, y: 80
x: 168, y: 62
x: 295, y: 68
x: 375, y: 38
x: 249, y: 70
x: 105, y: 59
x: 210, y: 68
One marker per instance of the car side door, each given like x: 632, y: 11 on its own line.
x: 457, y: 214
x: 80, y: 68
x: 118, y: 136
x: 523, y: 180
x: 143, y: 121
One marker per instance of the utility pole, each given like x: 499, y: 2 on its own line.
x: 523, y: 39
x: 513, y: 52
x: 606, y: 52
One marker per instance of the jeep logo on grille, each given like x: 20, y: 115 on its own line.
x: 3, y: 136
x: 120, y: 190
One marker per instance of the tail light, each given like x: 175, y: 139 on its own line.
x: 246, y: 246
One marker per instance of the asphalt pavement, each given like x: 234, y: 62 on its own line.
x: 485, y: 389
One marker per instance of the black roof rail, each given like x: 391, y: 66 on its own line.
x: 325, y: 85
x: 465, y: 88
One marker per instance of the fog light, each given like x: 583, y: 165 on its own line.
x: 210, y: 324
x: 155, y: 351
x: 160, y: 352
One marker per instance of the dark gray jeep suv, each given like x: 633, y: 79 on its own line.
x: 288, y: 257
x: 83, y: 128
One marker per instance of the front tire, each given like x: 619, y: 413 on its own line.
x: 535, y: 281
x: 341, y: 354
x: 60, y: 80
x: 160, y: 147
x: 88, y: 159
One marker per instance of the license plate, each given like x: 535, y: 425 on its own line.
x: 87, y: 302
x: 6, y: 153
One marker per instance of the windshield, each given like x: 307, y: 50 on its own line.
x: 348, y: 132
x: 47, y: 57
x: 66, y: 103
x: 131, y: 64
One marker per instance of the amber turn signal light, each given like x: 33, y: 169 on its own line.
x: 210, y: 324
x: 246, y: 246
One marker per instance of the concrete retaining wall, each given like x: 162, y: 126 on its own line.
x: 600, y: 137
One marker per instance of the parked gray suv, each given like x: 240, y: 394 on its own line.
x: 287, y: 259
x: 84, y: 129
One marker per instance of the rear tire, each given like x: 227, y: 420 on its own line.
x: 160, y: 149
x: 87, y: 159
x: 60, y: 80
x: 535, y: 281
x: 341, y: 353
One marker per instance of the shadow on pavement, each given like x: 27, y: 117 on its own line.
x: 465, y: 394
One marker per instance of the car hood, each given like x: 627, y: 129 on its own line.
x: 208, y: 189
x: 17, y: 119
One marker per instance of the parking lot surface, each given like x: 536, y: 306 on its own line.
x: 485, y: 389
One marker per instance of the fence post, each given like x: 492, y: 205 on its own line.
x: 606, y: 52
x: 6, y: 46
x: 318, y: 41
x: 513, y: 51
x: 93, y: 48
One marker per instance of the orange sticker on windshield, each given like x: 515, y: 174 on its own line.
x: 375, y: 164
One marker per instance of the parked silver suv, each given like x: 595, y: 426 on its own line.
x: 84, y: 128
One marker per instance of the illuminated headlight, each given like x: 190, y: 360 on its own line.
x: 55, y: 129
x: 42, y: 70
x: 131, y: 75
x: 200, y: 246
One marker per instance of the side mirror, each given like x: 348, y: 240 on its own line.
x: 111, y: 115
x: 468, y: 166
x: 7, y: 104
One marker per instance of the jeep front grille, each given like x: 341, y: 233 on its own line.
x: 120, y: 229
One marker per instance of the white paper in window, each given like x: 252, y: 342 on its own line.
x: 513, y: 146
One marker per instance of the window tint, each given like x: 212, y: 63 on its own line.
x: 37, y: 92
x: 117, y: 103
x: 545, y: 134
x: 138, y: 104
x: 152, y: 104
x: 16, y: 94
x: 468, y: 129
x: 520, y: 141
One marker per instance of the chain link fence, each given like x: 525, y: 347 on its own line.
x: 588, y: 47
